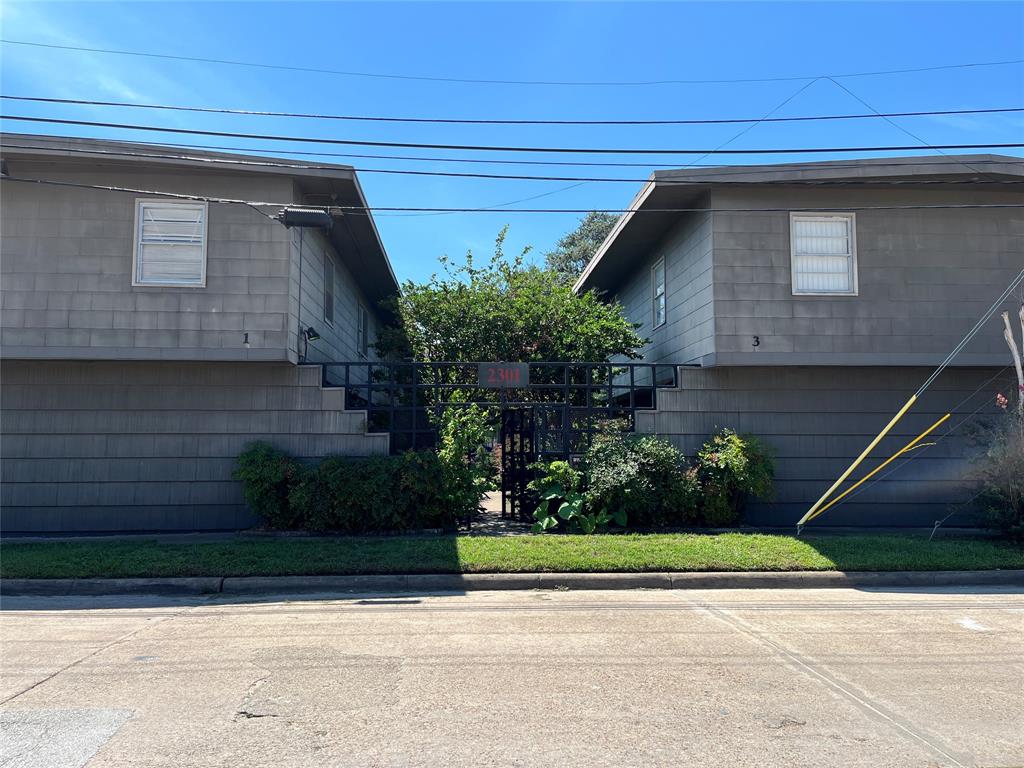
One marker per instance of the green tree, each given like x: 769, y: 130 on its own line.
x: 505, y: 310
x: 576, y: 249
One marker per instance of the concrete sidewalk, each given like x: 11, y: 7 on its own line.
x: 628, y: 679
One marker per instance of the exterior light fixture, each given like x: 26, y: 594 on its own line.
x: 308, y: 335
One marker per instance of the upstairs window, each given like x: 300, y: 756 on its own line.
x: 363, y: 331
x: 170, y: 244
x: 824, y: 254
x: 328, y: 289
x: 658, y: 314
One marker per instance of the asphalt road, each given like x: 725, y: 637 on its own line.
x: 629, y: 678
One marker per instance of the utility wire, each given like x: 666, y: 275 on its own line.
x: 973, y: 332
x: 370, y: 209
x: 893, y: 123
x: 558, y: 163
x: 481, y: 121
x: 756, y: 123
x: 490, y: 148
x: 607, y: 83
x: 1008, y: 292
x: 495, y: 207
x: 938, y: 440
x: 662, y: 181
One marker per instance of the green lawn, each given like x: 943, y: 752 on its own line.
x: 512, y: 554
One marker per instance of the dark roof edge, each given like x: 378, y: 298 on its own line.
x: 852, y: 169
x: 41, y: 145
x: 635, y: 204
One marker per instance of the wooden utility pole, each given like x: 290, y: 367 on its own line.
x: 1012, y: 343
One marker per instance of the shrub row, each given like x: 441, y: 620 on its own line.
x: 645, y: 482
x: 414, y: 491
x: 387, y: 493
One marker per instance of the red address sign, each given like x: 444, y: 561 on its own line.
x: 504, y: 375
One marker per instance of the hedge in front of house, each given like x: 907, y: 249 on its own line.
x: 349, y: 495
x: 643, y: 481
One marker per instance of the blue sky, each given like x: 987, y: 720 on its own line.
x: 527, y: 41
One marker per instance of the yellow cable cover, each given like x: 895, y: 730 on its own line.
x: 858, y: 460
x: 908, y: 447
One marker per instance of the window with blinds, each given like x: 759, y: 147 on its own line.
x: 363, y: 331
x: 824, y: 253
x: 328, y: 289
x: 658, y: 298
x: 170, y: 244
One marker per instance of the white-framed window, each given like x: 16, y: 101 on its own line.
x: 363, y: 331
x: 658, y: 298
x: 170, y: 244
x: 824, y: 253
x: 328, y: 289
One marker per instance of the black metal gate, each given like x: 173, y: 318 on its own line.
x: 518, y: 441
x: 552, y: 412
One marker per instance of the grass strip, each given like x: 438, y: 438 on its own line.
x: 510, y: 554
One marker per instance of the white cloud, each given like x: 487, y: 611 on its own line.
x: 85, y: 75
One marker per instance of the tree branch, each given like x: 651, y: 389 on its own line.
x: 1012, y: 343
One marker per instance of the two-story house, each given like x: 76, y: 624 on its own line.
x: 804, y: 303
x: 147, y: 338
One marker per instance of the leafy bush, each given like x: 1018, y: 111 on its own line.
x: 504, y: 309
x: 561, y: 501
x: 348, y: 495
x: 419, y: 489
x: 731, y: 468
x: 385, y: 493
x: 467, y: 467
x: 642, y: 481
x: 268, y: 477
x: 352, y: 496
x: 999, y: 474
x: 648, y: 483
x: 645, y: 477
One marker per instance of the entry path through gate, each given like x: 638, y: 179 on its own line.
x: 540, y: 410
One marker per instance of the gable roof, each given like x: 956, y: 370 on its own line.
x: 646, y: 222
x: 354, y: 234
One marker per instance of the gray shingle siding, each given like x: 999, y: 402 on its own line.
x: 817, y: 419
x: 688, y: 332
x: 137, y: 445
x: 828, y: 372
x: 125, y: 407
x: 925, y: 277
x: 338, y: 342
x: 67, y: 284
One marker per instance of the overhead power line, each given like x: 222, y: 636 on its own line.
x: 482, y: 121
x: 514, y: 177
x: 371, y: 209
x: 491, y: 148
x: 481, y: 81
x: 554, y: 163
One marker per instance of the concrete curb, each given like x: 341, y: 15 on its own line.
x: 201, y: 585
x: 444, y: 582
